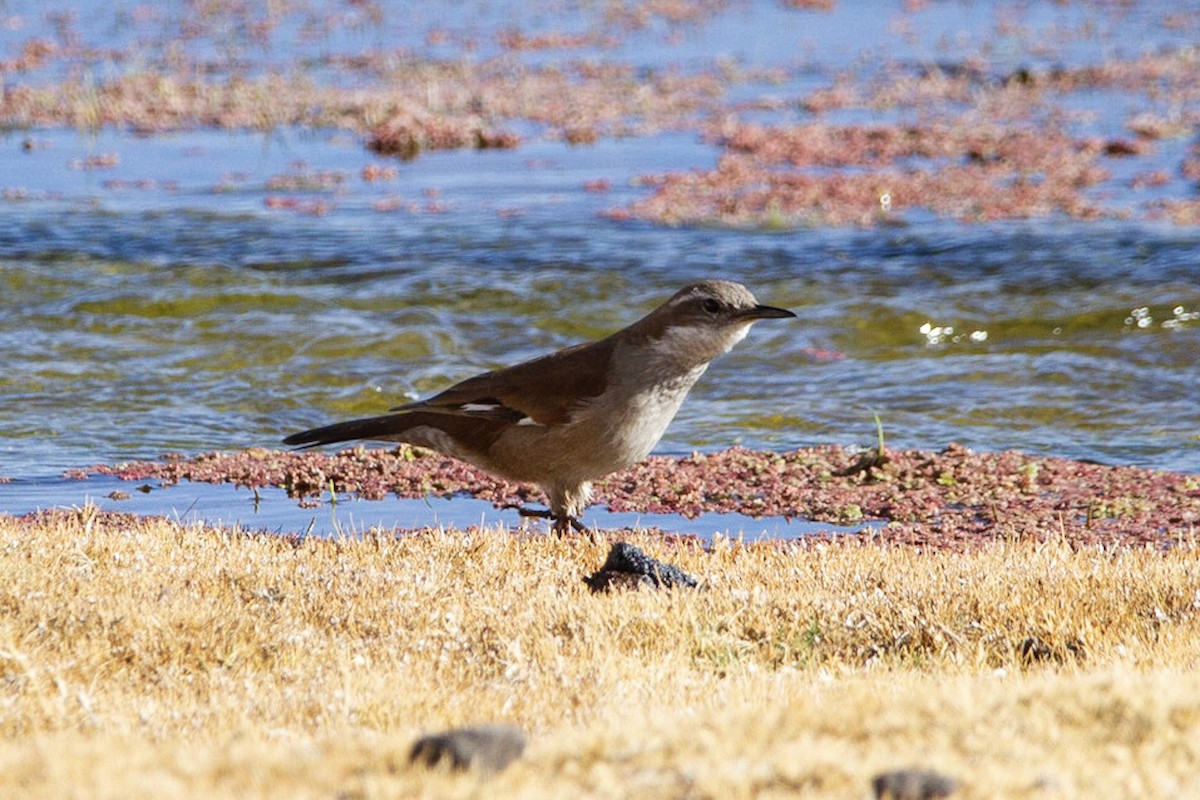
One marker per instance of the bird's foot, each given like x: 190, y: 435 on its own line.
x: 566, y: 524
x: 562, y: 524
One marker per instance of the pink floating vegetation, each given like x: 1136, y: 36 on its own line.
x: 966, y: 145
x: 964, y: 141
x: 952, y: 498
x: 409, y: 132
x: 860, y: 175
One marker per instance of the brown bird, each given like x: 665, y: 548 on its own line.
x: 571, y: 417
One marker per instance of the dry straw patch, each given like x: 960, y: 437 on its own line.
x: 147, y: 658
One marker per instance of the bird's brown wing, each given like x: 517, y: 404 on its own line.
x: 546, y: 390
x: 469, y: 434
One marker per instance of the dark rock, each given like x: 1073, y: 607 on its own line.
x: 912, y: 784
x: 1021, y: 76
x: 607, y: 580
x: 483, y: 748
x: 1123, y: 147
x: 1034, y: 649
x: 628, y: 567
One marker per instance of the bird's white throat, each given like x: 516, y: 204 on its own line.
x: 692, y: 345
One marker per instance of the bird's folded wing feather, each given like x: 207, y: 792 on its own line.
x: 544, y: 391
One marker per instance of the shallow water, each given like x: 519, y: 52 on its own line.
x: 214, y: 290
x: 188, y: 320
x: 270, y: 510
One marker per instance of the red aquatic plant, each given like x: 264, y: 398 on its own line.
x: 954, y: 497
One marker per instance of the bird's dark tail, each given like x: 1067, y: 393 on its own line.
x: 386, y: 427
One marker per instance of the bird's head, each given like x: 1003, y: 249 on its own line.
x: 706, y: 319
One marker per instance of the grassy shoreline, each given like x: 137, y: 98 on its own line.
x: 144, y: 658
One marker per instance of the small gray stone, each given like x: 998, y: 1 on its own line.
x: 483, y: 748
x: 912, y: 784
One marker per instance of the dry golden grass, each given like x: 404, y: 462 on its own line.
x: 143, y: 658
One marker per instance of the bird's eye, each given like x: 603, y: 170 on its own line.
x: 710, y: 305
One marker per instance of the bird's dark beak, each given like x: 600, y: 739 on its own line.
x: 767, y: 312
